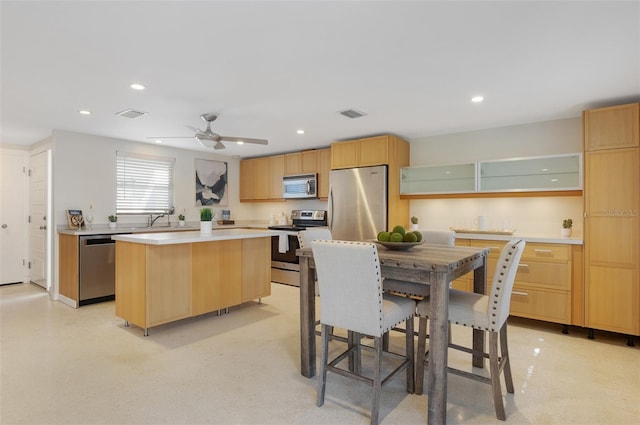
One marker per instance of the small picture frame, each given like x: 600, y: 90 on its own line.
x: 75, y: 219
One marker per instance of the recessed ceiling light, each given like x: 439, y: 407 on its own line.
x: 300, y: 131
x: 477, y: 99
x: 84, y: 112
x: 240, y: 142
x: 158, y: 141
x: 136, y: 86
x: 554, y: 180
x: 544, y: 169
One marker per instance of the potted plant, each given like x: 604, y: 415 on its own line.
x: 113, y: 220
x: 414, y: 223
x: 181, y: 220
x: 206, y: 215
x: 567, y: 224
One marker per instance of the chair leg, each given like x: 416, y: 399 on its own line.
x: 322, y: 385
x: 495, y: 376
x: 420, y: 358
x: 410, y: 355
x: 504, y: 352
x: 377, y: 381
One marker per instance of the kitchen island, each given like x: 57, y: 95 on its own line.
x: 164, y: 277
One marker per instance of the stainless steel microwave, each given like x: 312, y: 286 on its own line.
x: 300, y: 186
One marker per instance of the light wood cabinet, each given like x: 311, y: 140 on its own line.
x: 324, y: 168
x: 213, y: 265
x: 69, y: 266
x: 612, y: 219
x: 361, y: 152
x: 277, y: 172
x: 543, y: 288
x: 261, y: 178
x: 258, y: 178
x: 345, y: 154
x: 612, y: 127
x: 256, y: 268
x: 309, y: 162
x: 157, y: 284
x: 292, y: 164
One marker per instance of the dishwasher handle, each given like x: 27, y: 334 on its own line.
x: 96, y: 240
x: 90, y: 242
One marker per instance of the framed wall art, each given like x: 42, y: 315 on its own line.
x: 211, y: 183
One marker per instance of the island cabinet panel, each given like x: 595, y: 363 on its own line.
x: 168, y: 283
x: 215, y: 266
x: 69, y: 266
x: 161, y: 283
x: 131, y: 282
x: 256, y: 268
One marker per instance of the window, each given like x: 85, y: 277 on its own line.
x: 144, y: 184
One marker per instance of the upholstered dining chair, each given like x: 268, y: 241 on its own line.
x: 304, y: 240
x: 311, y: 233
x: 485, y: 312
x: 351, y: 297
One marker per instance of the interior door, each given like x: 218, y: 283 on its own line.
x: 38, y: 169
x: 13, y: 216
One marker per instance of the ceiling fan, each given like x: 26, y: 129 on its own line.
x: 209, y: 139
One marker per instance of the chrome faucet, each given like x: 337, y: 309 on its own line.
x: 153, y: 220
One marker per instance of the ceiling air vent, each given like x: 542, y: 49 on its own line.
x: 351, y: 113
x: 131, y: 113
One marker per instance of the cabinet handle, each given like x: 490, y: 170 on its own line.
x: 526, y: 294
x: 523, y: 265
x: 543, y: 251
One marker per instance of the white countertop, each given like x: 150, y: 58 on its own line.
x: 528, y: 237
x: 103, y: 229
x: 171, y: 238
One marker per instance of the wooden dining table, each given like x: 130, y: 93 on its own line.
x: 424, y: 269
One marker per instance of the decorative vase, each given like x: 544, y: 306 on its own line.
x: 205, y: 227
x: 112, y: 225
x: 181, y: 223
x: 565, y: 232
x: 413, y: 227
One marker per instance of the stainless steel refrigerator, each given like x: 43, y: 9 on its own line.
x: 357, y: 208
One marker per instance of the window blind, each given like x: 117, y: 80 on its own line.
x: 144, y: 184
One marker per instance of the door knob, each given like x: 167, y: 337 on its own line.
x: 43, y: 227
x: 4, y: 226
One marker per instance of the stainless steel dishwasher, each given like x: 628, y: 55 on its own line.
x: 97, y: 269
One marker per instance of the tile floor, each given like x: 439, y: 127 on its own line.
x: 65, y: 366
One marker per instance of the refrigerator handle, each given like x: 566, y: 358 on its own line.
x: 330, y: 208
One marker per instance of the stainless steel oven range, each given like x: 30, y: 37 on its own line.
x: 285, y: 267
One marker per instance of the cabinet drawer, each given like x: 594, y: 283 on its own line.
x: 542, y: 305
x: 554, y: 275
x: 546, y: 251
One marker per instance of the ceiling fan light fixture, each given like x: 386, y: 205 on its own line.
x: 205, y: 141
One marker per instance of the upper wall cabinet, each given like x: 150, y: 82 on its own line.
x: 611, y: 128
x: 534, y: 174
x: 459, y: 178
x: 531, y: 174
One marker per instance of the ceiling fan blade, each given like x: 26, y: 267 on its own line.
x: 194, y: 129
x: 171, y: 137
x: 244, y: 139
x: 218, y: 145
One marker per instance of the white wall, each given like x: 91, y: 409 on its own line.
x: 536, y: 215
